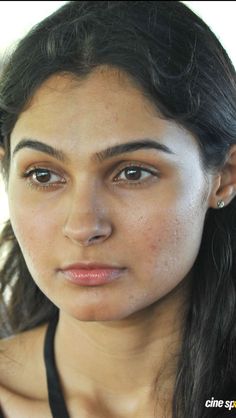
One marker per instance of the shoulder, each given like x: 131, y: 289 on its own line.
x: 21, y: 363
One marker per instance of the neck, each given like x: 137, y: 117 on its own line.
x: 126, y: 357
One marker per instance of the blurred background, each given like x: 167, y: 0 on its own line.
x: 17, y: 17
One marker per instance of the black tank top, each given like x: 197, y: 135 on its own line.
x: 55, y: 395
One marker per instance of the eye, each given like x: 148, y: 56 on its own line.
x: 135, y: 174
x: 43, y: 177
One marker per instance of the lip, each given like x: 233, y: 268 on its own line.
x: 91, y: 274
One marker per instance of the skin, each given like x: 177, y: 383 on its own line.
x: 153, y: 230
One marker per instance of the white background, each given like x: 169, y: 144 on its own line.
x: 17, y: 17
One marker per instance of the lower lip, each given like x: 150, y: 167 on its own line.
x: 93, y: 277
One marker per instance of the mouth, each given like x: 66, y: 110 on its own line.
x: 91, y: 274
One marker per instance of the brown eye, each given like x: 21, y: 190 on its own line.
x: 134, y: 174
x: 42, y: 175
x: 43, y: 178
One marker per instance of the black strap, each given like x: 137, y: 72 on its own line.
x: 1, y: 413
x: 55, y: 394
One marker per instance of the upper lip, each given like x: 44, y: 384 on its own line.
x: 89, y: 266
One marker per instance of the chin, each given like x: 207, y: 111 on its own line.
x: 98, y: 314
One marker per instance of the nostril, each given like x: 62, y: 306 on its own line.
x: 96, y: 237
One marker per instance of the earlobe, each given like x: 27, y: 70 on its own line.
x: 224, y: 185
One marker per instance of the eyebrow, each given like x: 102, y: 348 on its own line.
x: 110, y: 152
x: 40, y: 146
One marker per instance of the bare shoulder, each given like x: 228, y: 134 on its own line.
x: 23, y: 388
x: 21, y: 363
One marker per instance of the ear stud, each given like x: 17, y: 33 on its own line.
x: 220, y: 204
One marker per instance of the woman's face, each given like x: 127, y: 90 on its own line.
x: 140, y: 208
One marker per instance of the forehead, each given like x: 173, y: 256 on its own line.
x: 101, y: 110
x: 110, y: 91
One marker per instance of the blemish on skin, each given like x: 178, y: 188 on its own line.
x: 153, y: 247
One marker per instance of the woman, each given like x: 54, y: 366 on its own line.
x: 118, y: 148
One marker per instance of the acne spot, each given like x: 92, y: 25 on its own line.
x: 153, y: 247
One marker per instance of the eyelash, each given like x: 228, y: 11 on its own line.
x: 41, y: 186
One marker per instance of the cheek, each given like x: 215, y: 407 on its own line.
x: 35, y: 232
x: 34, y: 217
x: 166, y: 245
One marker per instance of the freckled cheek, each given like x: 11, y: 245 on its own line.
x: 167, y: 243
x: 157, y: 241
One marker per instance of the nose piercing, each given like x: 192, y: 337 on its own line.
x: 220, y: 204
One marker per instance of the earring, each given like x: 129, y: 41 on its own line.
x: 220, y: 204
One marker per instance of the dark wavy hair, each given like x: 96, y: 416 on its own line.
x: 179, y: 64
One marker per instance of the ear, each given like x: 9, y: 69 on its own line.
x: 2, y: 153
x: 224, y: 185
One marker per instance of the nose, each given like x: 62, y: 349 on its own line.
x: 87, y: 222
